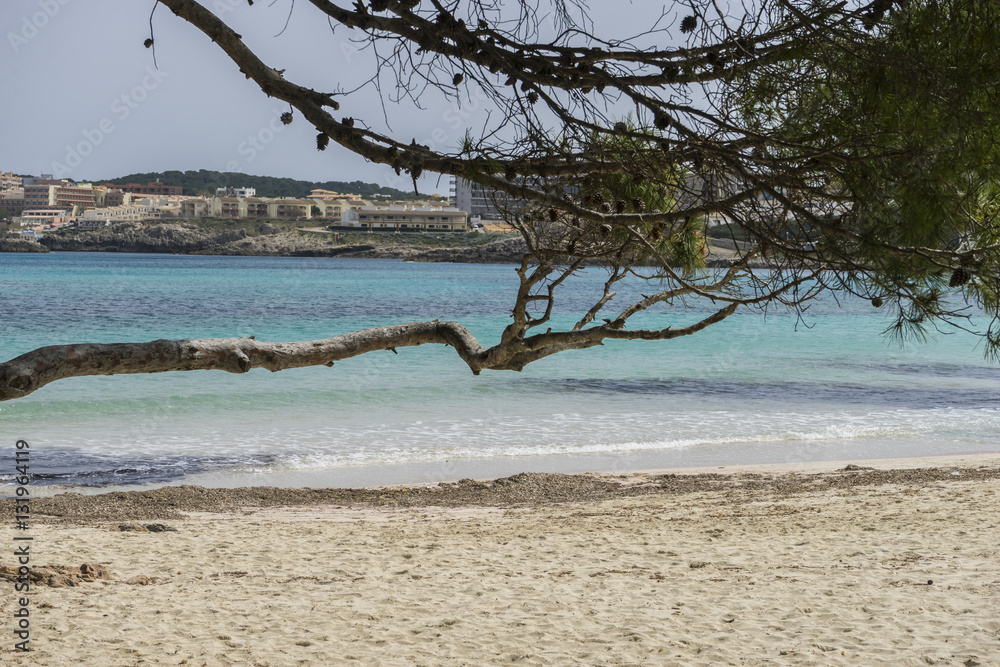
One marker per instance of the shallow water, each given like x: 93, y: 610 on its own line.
x: 748, y: 390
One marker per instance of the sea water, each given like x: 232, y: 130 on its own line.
x: 752, y: 389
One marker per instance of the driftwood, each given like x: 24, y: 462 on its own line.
x: 29, y: 372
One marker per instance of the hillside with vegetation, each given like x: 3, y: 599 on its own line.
x: 205, y: 182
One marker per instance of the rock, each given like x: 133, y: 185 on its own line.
x: 139, y: 237
x: 21, y: 245
x: 60, y: 576
x: 159, y: 528
x: 146, y: 528
x: 268, y: 229
x: 95, y: 571
x: 131, y: 528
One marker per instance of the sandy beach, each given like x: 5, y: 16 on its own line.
x: 852, y: 563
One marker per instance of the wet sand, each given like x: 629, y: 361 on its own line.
x: 827, y: 564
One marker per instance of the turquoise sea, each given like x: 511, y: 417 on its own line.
x: 752, y: 389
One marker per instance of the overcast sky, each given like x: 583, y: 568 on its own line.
x: 83, y: 99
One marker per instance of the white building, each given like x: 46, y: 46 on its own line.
x: 99, y: 217
x: 32, y: 218
x: 236, y: 192
x: 406, y: 218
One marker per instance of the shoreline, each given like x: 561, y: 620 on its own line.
x: 781, y: 566
x: 183, y: 237
x: 520, y: 490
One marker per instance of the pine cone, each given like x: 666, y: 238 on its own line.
x: 620, y: 206
x: 638, y: 204
x: 959, y: 277
x: 689, y: 23
x: 605, y: 207
x: 322, y: 141
x: 597, y: 198
x: 877, y: 301
x: 532, y: 97
x: 286, y: 118
x: 553, y: 214
x: 605, y: 230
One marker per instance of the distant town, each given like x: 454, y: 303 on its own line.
x: 32, y: 207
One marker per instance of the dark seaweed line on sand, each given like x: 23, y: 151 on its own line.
x: 522, y: 490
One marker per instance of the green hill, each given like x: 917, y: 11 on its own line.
x: 205, y: 182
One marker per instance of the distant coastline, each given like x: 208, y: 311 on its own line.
x: 268, y: 240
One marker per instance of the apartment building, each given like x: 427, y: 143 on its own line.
x: 47, y: 216
x: 287, y: 208
x: 482, y: 202
x: 39, y: 196
x: 111, y: 197
x: 334, y: 208
x: 12, y: 200
x: 99, y: 217
x: 149, y: 188
x: 486, y: 203
x: 46, y: 193
x: 196, y: 208
x: 320, y: 194
x: 8, y: 181
x: 407, y: 218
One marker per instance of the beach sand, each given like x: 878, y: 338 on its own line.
x: 826, y: 564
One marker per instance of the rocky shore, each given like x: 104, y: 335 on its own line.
x: 267, y: 240
x: 21, y: 245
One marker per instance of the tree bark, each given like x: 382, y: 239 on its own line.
x: 33, y: 370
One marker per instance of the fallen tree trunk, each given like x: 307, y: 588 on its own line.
x: 33, y: 370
